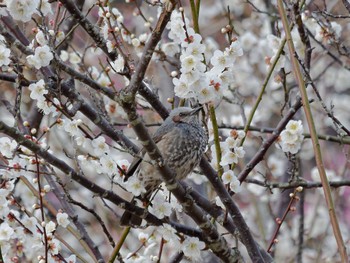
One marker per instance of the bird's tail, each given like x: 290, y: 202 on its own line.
x: 129, y: 219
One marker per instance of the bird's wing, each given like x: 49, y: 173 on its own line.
x: 134, y: 164
x: 137, y: 160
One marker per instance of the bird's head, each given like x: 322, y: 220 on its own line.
x: 185, y: 115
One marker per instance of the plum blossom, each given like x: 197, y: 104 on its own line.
x: 167, y: 232
x: 291, y: 137
x: 54, y: 246
x: 235, y: 185
x: 197, y: 81
x: 47, y: 107
x: 108, y: 165
x: 134, y: 186
x: 220, y: 61
x: 72, y: 127
x: 38, y: 90
x: 22, y: 9
x: 119, y: 64
x: 228, y: 176
x: 62, y: 219
x: 4, y: 56
x: 170, y: 49
x: 40, y: 38
x: 124, y: 166
x: 195, y: 49
x: 7, y: 146
x: 30, y: 223
x: 45, y: 7
x: 231, y: 179
x: 182, y: 88
x: 6, y: 232
x: 206, y: 94
x: 230, y: 157
x: 192, y: 247
x: 71, y: 259
x: 160, y: 207
x: 99, y: 146
x: 41, y: 58
x: 50, y: 227
x: 176, y: 25
x: 4, y: 205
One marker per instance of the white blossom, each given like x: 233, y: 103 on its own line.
x: 288, y: 137
x: 74, y: 58
x: 195, y: 49
x: 45, y: 106
x: 45, y: 7
x: 192, y: 247
x: 64, y: 55
x: 167, y: 232
x: 206, y: 94
x: 295, y: 127
x: 230, y: 157
x: 170, y: 49
x: 38, y: 90
x: 188, y: 63
x: 220, y: 61
x: 72, y: 127
x: 40, y: 38
x: 6, y: 232
x: 30, y: 223
x: 134, y: 186
x: 50, y: 227
x: 119, y: 64
x: 99, y: 146
x: 124, y: 165
x: 54, y: 246
x: 234, y: 50
x: 7, y: 146
x: 41, y: 58
x: 4, y: 55
x: 4, y: 205
x: 293, y: 148
x: 219, y: 203
x: 22, y: 9
x: 108, y: 165
x: 62, y: 219
x: 160, y: 207
x: 235, y: 185
x: 71, y: 259
x: 228, y: 177
x: 181, y: 88
x: 291, y: 137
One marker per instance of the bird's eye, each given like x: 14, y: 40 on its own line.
x: 182, y: 114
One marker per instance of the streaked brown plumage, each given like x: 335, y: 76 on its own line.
x: 181, y: 140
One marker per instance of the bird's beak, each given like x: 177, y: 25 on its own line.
x: 196, y: 110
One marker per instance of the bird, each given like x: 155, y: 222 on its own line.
x: 182, y: 141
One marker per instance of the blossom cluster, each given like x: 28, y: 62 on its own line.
x: 291, y: 137
x: 327, y: 35
x: 46, y: 106
x: 195, y: 70
x: 23, y: 10
x: 25, y: 228
x: 196, y: 81
x: 4, y: 53
x: 190, y: 246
